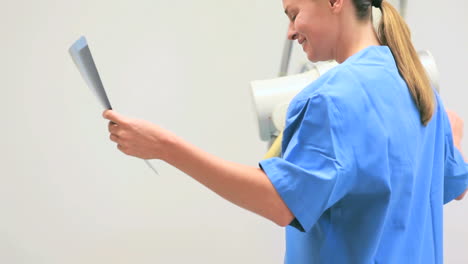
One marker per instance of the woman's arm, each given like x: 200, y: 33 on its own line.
x: 247, y: 187
x: 457, y: 133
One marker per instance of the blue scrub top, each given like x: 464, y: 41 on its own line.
x: 365, y: 180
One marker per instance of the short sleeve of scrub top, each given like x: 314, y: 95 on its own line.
x: 313, y: 173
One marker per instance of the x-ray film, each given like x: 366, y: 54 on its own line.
x: 83, y: 59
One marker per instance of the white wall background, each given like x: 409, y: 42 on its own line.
x: 68, y: 196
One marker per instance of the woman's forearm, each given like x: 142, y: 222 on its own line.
x: 458, y: 146
x: 247, y: 187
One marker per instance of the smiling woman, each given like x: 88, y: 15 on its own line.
x: 369, y: 155
x: 69, y: 195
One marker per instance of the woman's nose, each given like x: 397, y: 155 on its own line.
x: 292, y: 34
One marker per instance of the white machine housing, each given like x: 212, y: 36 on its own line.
x: 272, y: 97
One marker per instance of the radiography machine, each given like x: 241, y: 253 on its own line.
x: 271, y: 97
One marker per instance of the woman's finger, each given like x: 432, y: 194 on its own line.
x: 112, y: 127
x: 113, y: 116
x: 122, y: 148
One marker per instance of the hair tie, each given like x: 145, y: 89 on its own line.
x: 377, y: 3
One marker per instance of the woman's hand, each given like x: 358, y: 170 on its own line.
x: 138, y: 138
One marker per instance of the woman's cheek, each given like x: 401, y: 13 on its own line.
x: 300, y: 26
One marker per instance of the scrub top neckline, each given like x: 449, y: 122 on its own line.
x: 365, y: 50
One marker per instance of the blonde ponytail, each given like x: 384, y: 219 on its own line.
x: 394, y: 33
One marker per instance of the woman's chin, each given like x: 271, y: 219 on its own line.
x: 312, y: 58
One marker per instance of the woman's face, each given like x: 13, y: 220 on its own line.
x: 313, y: 25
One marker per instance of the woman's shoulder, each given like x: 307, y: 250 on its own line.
x: 369, y: 74
x: 338, y: 85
